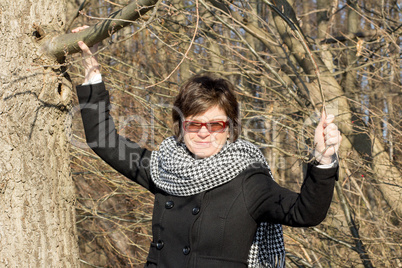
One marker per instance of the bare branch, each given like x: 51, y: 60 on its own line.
x: 62, y: 45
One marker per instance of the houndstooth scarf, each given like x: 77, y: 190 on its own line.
x: 177, y: 172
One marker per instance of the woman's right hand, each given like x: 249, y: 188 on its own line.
x: 89, y: 61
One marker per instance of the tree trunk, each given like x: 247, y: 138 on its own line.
x: 184, y: 46
x: 323, y: 21
x: 351, y: 83
x: 37, y: 194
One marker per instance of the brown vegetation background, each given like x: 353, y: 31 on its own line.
x: 348, y: 52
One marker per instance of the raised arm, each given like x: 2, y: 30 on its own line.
x: 122, y: 154
x: 267, y: 201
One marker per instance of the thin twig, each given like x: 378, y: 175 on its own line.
x: 188, y: 49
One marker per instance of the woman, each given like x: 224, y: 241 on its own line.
x: 216, y: 204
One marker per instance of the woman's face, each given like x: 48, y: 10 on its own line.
x: 204, y: 143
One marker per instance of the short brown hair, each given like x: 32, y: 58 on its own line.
x: 200, y: 93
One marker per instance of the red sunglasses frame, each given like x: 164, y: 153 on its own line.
x: 224, y: 126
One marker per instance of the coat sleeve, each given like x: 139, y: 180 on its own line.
x: 125, y: 156
x: 267, y: 201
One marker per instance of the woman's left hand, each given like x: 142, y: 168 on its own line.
x: 89, y: 61
x: 327, y: 139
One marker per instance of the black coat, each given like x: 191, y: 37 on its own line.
x: 214, y: 228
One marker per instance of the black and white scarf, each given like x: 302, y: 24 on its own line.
x: 177, y: 172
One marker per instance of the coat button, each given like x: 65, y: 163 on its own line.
x: 169, y: 204
x: 159, y: 244
x: 196, y: 210
x: 186, y: 250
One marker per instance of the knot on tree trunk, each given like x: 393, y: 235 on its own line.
x: 39, y: 32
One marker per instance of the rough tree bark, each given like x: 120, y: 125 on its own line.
x: 37, y: 194
x: 37, y: 226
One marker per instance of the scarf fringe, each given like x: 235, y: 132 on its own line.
x: 275, y: 261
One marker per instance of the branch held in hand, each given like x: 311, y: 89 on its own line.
x: 61, y: 45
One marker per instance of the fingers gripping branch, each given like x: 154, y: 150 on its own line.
x: 327, y: 139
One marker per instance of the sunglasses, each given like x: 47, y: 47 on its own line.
x: 214, y: 126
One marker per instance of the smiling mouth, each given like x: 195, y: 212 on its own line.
x: 202, y: 143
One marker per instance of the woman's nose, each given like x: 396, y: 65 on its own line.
x: 203, y: 132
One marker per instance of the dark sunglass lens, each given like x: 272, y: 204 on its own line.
x: 193, y: 127
x: 216, y: 126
